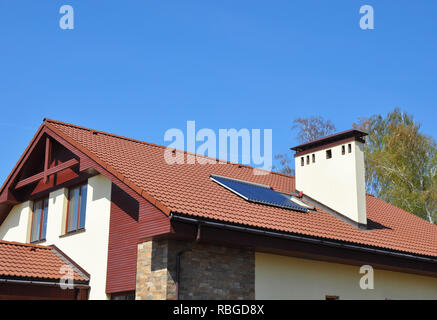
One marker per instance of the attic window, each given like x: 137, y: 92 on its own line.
x: 328, y: 154
x: 314, y: 158
x: 302, y: 161
x: 308, y: 159
x: 343, y: 150
x: 257, y: 193
x: 349, y: 146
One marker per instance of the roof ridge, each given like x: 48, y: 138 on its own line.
x: 161, y: 146
x: 30, y: 245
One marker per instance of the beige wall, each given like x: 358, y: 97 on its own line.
x: 338, y: 183
x: 279, y: 277
x: 88, y: 248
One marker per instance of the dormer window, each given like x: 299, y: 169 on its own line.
x: 39, y: 220
x: 77, y: 198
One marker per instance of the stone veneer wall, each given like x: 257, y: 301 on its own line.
x: 207, y: 271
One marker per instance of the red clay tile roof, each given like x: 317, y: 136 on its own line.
x: 19, y: 260
x: 187, y: 189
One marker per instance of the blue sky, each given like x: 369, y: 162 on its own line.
x: 138, y: 68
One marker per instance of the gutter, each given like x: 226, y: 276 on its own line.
x: 42, y: 283
x: 300, y: 238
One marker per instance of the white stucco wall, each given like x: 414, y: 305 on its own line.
x: 280, y: 277
x: 338, y: 183
x: 16, y: 224
x: 88, y: 248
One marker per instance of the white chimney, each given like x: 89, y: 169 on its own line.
x: 330, y: 171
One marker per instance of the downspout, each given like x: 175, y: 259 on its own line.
x: 178, y: 262
x: 178, y: 270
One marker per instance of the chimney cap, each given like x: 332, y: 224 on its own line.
x: 352, y: 134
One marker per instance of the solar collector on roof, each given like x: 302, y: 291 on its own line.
x: 257, y: 193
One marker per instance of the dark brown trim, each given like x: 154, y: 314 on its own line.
x: 301, y: 246
x: 71, y: 261
x: 41, y: 175
x: 353, y: 133
x: 23, y: 158
x: 327, y: 146
x: 41, y: 282
x: 47, y: 158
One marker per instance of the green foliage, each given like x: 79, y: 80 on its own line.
x: 401, y: 163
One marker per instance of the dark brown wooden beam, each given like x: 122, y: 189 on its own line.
x: 47, y: 159
x: 48, y: 172
x: 8, y: 197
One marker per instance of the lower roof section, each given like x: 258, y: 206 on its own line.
x: 30, y: 262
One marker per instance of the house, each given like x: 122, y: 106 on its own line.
x: 125, y: 224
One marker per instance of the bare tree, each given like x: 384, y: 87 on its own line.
x: 312, y: 128
x: 308, y: 129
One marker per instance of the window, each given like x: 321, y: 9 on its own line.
x: 328, y: 154
x: 343, y: 150
x: 39, y: 220
x: 314, y: 158
x: 349, y: 146
x: 129, y: 295
x: 76, y: 208
x: 302, y: 161
x: 308, y: 159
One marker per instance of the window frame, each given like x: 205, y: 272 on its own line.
x: 77, y: 229
x: 39, y: 237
